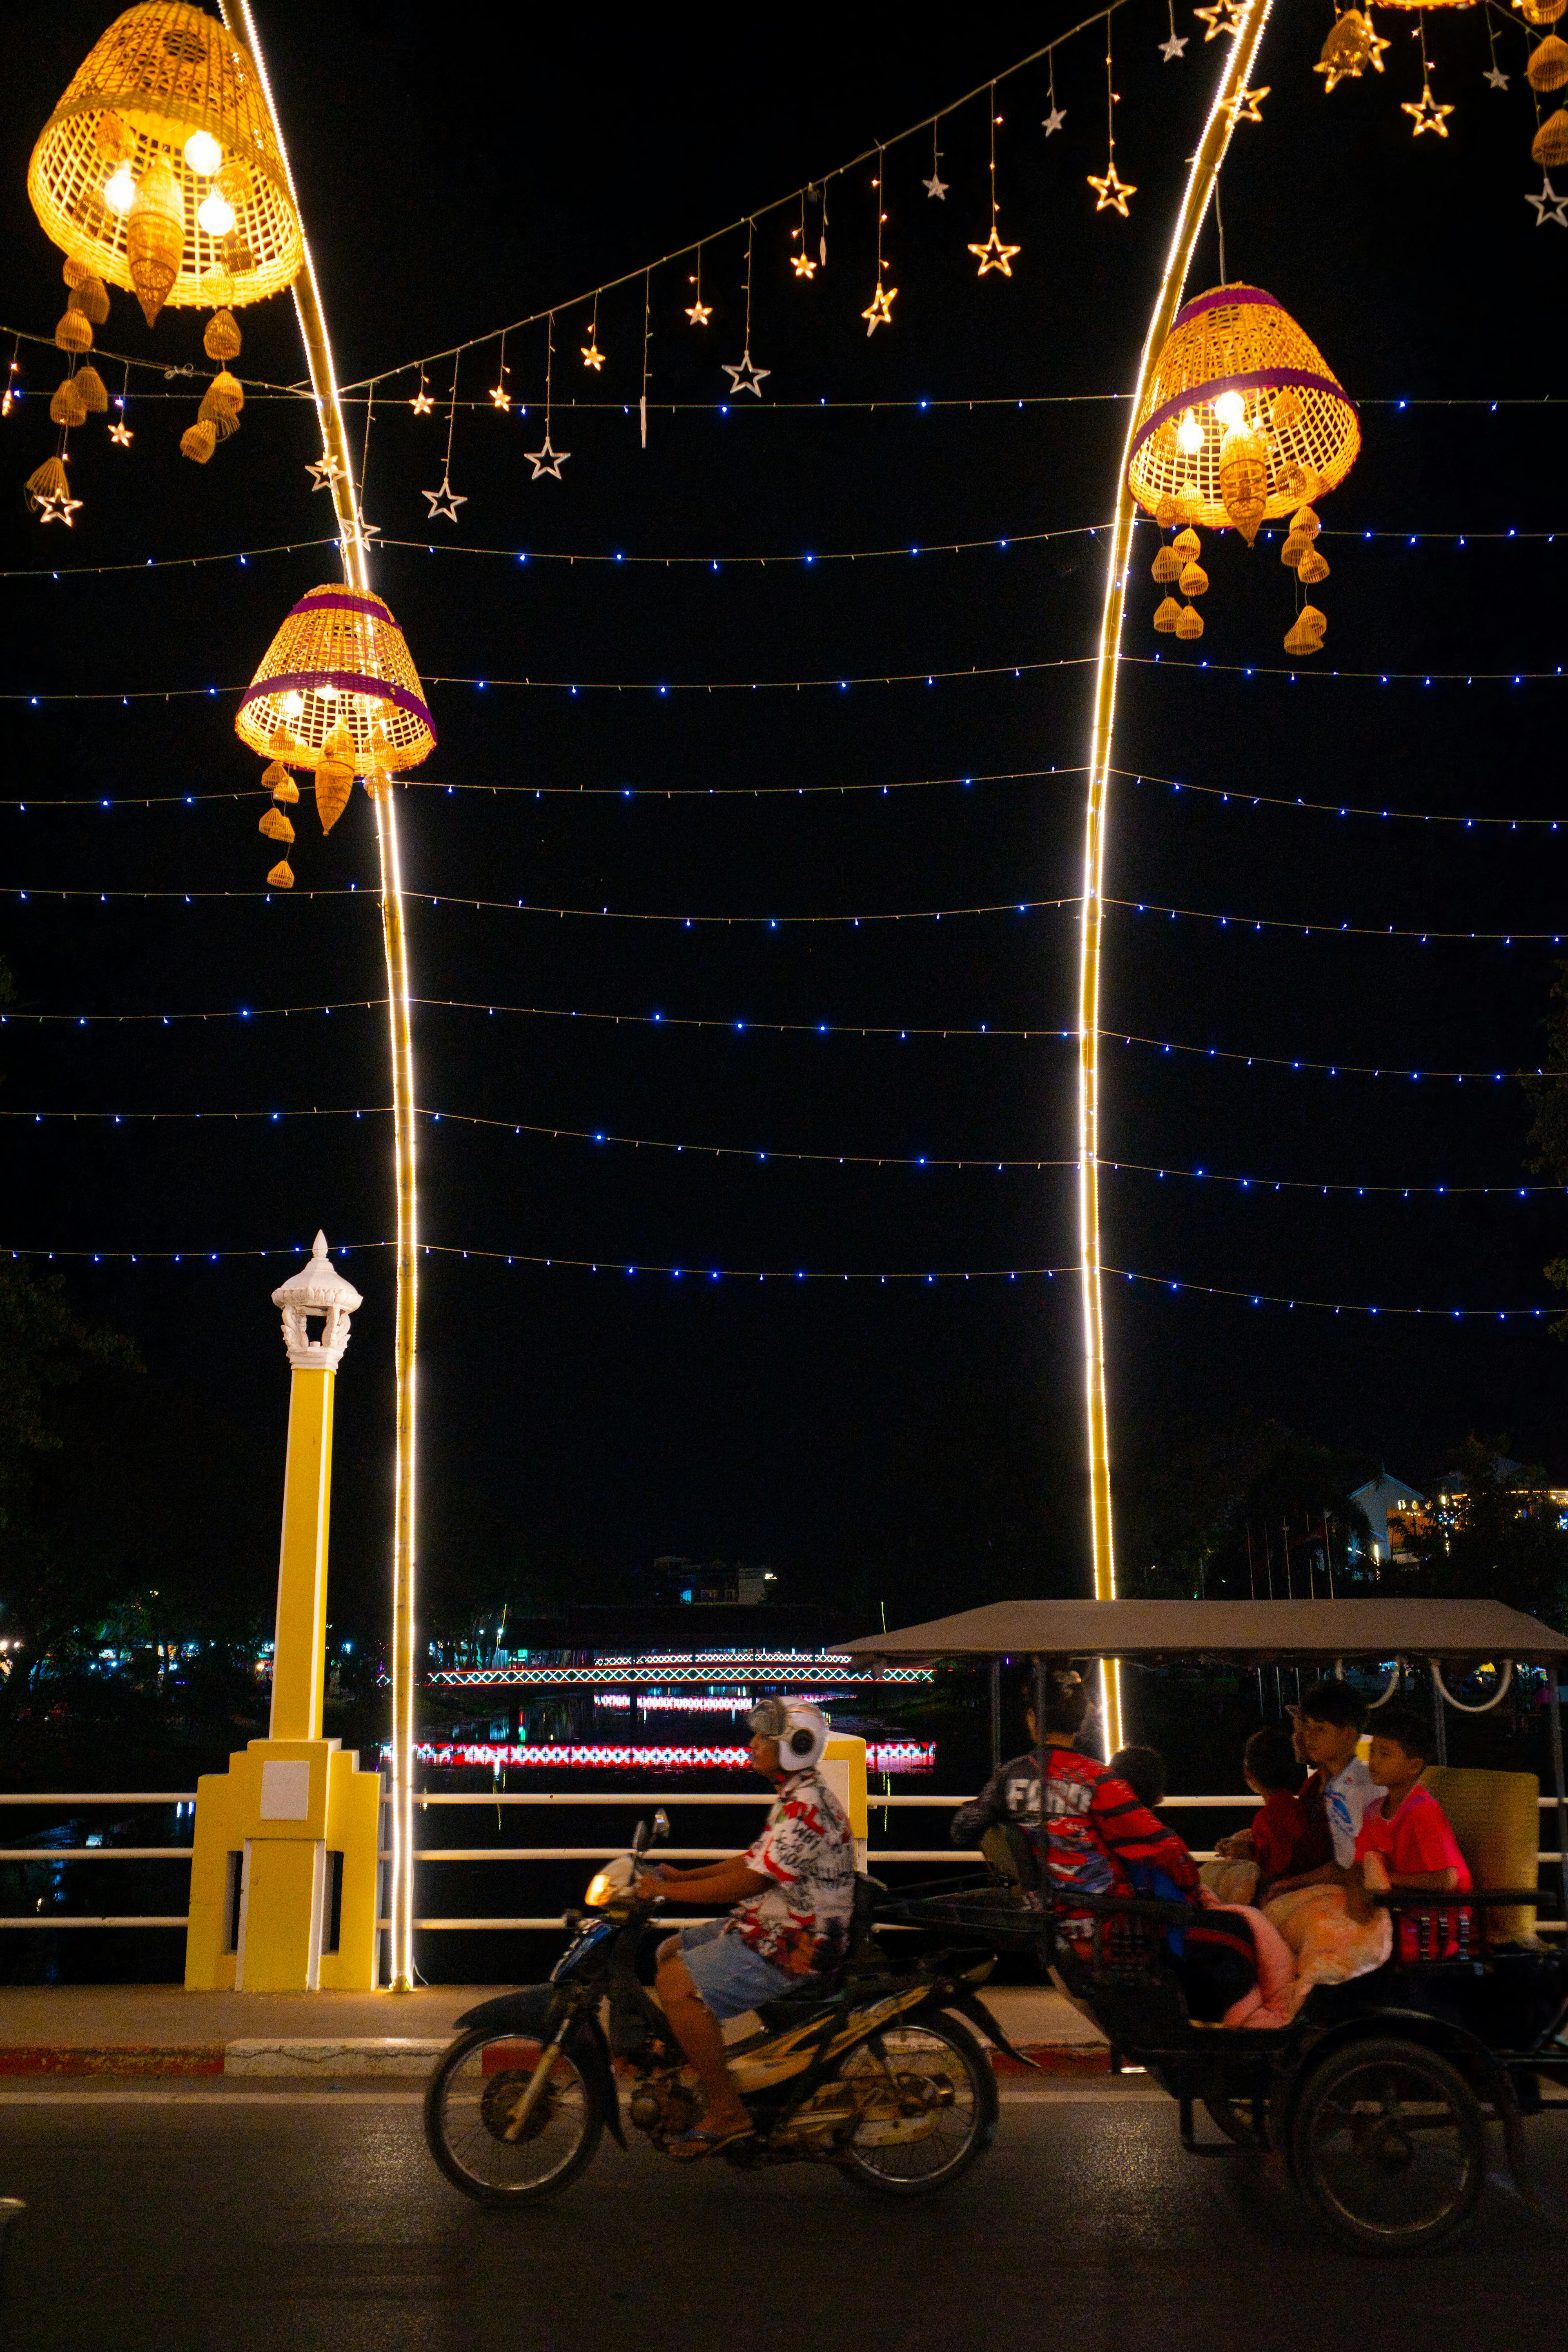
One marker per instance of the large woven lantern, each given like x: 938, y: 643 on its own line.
x: 158, y: 170
x: 338, y: 693
x: 1243, y: 421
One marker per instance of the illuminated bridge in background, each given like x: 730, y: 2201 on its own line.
x: 714, y: 1670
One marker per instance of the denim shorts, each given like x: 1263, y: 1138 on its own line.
x: 729, y: 1976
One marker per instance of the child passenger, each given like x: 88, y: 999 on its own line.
x: 1406, y: 1840
x: 1322, y: 1913
x: 1288, y: 1836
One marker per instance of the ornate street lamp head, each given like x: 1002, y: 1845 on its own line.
x: 317, y: 1289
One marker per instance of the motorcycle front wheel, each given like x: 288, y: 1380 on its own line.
x: 474, y: 2131
x: 928, y: 2106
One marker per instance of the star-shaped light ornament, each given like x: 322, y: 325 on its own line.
x: 745, y: 375
x: 994, y: 254
x: 1172, y: 49
x: 444, y: 502
x: 546, y: 460
x: 879, y: 311
x: 936, y: 187
x: 363, y: 532
x: 1110, y: 191
x: 1052, y: 123
x: 593, y: 357
x: 1224, y: 17
x: 1549, y: 205
x: 59, y: 510
x: 1428, y: 114
x: 1497, y: 78
x: 421, y: 403
x: 324, y: 472
x: 701, y: 312
x: 1247, y: 105
x: 120, y: 433
x: 803, y: 265
x: 499, y: 398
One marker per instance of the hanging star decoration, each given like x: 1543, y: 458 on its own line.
x: 1172, y: 49
x: 744, y: 376
x: 1052, y: 123
x: 936, y: 185
x: 803, y: 265
x: 879, y: 311
x: 121, y: 435
x: 593, y: 357
x: 444, y: 502
x: 994, y: 254
x: 1428, y: 114
x: 324, y: 472
x: 59, y: 510
x: 499, y: 398
x: 421, y: 403
x: 1224, y: 17
x: 546, y: 460
x: 1112, y: 190
x: 363, y: 532
x: 1247, y: 105
x: 701, y: 312
x: 1549, y: 205
x: 1497, y: 78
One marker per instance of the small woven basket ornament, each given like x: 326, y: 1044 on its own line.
x: 91, y: 391
x: 48, y: 480
x: 1194, y: 581
x: 199, y: 441
x: 86, y: 293
x: 281, y: 783
x: 1549, y: 148
x: 1244, y: 478
x: 1541, y: 12
x: 281, y: 876
x: 224, y: 397
x: 74, y: 333
x: 221, y: 337
x: 1188, y: 547
x: 1305, y: 634
x: 1312, y: 568
x: 1547, y: 67
x: 162, y: 71
x: 155, y: 236
x: 1166, y: 615
x: 276, y: 825
x: 1189, y: 624
x: 66, y: 404
x: 1167, y: 565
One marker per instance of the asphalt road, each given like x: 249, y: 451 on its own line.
x: 204, y: 2220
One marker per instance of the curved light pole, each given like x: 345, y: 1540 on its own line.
x: 240, y: 19
x: 1251, y: 18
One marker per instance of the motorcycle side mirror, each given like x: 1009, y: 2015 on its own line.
x: 660, y: 1825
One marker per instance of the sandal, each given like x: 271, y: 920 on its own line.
x: 697, y: 2142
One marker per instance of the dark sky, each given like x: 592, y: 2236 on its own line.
x: 576, y: 1424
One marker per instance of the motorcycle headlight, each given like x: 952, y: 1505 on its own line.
x: 601, y: 1889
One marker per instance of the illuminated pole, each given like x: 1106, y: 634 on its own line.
x: 1251, y: 15
x: 240, y: 19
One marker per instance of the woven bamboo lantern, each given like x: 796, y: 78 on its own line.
x: 91, y: 391
x: 1549, y: 148
x: 338, y: 693
x: 1547, y: 67
x: 66, y: 405
x: 1243, y: 422
x: 74, y: 333
x: 1541, y: 12
x: 158, y: 171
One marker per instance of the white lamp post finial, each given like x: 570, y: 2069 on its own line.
x: 317, y: 1289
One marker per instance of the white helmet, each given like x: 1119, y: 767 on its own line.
x: 802, y: 1731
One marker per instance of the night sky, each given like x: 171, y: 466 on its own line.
x: 458, y: 173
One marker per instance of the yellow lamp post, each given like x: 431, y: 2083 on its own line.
x: 284, y: 1875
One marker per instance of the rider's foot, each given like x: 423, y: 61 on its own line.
x: 711, y: 2136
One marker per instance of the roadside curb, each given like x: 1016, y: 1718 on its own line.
x: 339, y: 2058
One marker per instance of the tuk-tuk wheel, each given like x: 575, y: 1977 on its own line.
x: 1388, y: 2145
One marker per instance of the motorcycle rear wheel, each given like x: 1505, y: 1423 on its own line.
x: 471, y: 2106
x: 936, y: 2059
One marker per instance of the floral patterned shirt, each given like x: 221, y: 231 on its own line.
x: 800, y: 1920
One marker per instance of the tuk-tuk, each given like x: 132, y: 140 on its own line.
x: 1378, y: 2093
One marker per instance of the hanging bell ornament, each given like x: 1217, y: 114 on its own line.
x: 1541, y: 12
x: 199, y: 441
x: 48, y: 480
x: 1297, y: 545
x: 1312, y: 568
x: 224, y: 397
x: 1305, y: 634
x: 86, y: 293
x: 1166, y: 615
x: 281, y: 783
x: 1194, y: 581
x: 1305, y: 523
x: 1188, y: 547
x: 1171, y: 512
x: 1189, y: 624
x: 276, y: 825
x: 281, y: 876
x: 74, y: 333
x: 1549, y: 148
x: 1547, y: 67
x: 1167, y: 565
x: 221, y: 337
x: 91, y: 391
x: 66, y: 404
x: 1244, y: 478
x: 154, y: 237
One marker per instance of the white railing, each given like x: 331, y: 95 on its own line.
x: 632, y: 1801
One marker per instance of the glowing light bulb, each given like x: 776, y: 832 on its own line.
x: 215, y: 214
x: 1190, y: 434
x: 1230, y: 408
x: 292, y: 705
x: 203, y: 154
x: 120, y: 194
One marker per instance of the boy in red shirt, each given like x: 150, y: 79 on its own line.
x: 1406, y: 1840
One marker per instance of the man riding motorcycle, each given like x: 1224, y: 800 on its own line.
x: 796, y: 1887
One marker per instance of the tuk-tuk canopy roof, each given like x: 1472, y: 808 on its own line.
x: 1241, y: 1632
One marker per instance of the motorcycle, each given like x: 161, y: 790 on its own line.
x: 873, y: 2069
